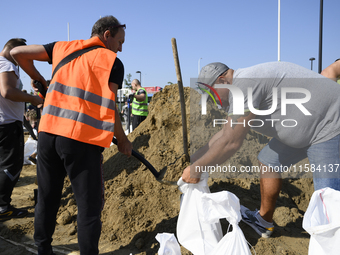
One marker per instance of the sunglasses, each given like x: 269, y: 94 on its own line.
x: 118, y: 26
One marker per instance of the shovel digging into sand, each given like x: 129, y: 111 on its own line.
x: 149, y: 166
x: 134, y: 153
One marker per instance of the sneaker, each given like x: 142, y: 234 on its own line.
x: 251, y: 218
x: 12, y: 212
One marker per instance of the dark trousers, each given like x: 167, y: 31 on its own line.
x: 82, y: 163
x: 137, y: 120
x: 6, y: 188
x: 11, y: 159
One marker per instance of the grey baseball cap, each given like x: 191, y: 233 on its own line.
x: 209, y: 73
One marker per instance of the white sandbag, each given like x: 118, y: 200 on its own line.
x: 225, y: 205
x: 193, y: 233
x: 29, y: 148
x: 168, y: 244
x: 322, y: 222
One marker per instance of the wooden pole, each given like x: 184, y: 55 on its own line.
x: 181, y: 95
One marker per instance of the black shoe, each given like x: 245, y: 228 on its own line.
x: 34, y: 160
x: 45, y: 253
x: 12, y: 212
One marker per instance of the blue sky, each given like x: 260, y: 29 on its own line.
x: 239, y: 33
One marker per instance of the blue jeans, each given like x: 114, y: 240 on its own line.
x: 323, y: 159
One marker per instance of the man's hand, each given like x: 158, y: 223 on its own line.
x: 36, y: 100
x: 124, y: 146
x: 43, y: 86
x: 189, y: 177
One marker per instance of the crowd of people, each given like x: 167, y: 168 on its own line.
x: 80, y: 119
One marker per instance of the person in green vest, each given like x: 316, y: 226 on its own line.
x: 333, y: 71
x: 139, y: 104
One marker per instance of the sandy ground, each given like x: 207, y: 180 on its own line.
x: 138, y: 206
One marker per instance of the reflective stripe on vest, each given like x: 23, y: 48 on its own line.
x: 79, y: 103
x: 140, y: 108
x: 78, y: 116
x: 83, y: 94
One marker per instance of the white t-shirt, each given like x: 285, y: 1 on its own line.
x: 10, y: 111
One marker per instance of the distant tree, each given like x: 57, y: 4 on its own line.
x: 127, y: 81
x: 170, y: 83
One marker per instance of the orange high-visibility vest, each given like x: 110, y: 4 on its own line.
x: 79, y: 104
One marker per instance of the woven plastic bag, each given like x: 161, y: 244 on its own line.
x: 168, y: 244
x: 322, y: 222
x: 193, y: 233
x: 225, y: 205
x: 29, y: 148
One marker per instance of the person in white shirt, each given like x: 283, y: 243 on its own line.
x: 12, y: 101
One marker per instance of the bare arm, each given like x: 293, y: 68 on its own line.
x: 332, y: 71
x: 8, y: 90
x: 221, y: 147
x: 140, y: 97
x: 24, y: 56
x: 199, y: 153
x: 124, y: 145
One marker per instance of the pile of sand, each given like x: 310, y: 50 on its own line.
x: 138, y: 207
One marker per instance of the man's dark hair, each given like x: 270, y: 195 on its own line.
x: 105, y: 23
x: 15, y: 42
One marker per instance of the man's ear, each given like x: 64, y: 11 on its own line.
x: 221, y: 80
x: 106, y: 34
